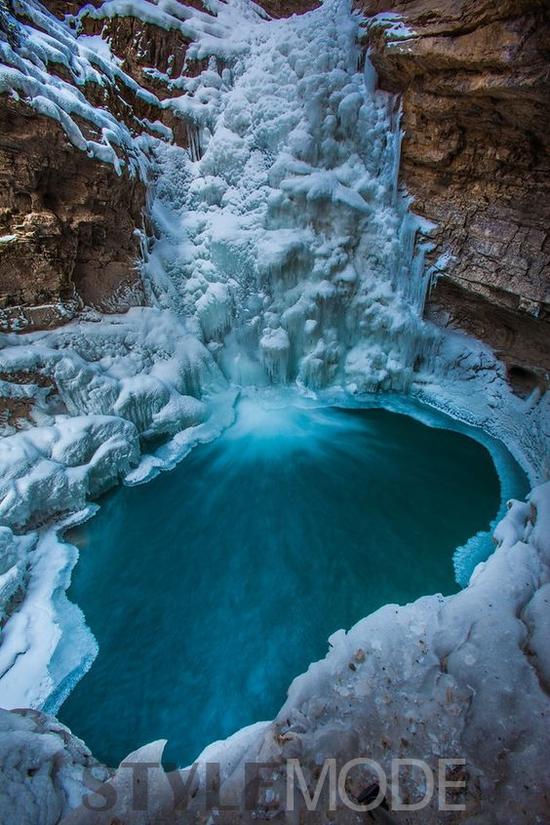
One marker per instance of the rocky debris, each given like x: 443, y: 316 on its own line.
x: 475, y: 86
x: 67, y: 225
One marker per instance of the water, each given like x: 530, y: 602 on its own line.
x: 210, y: 588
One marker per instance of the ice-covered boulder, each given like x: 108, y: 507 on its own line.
x: 49, y: 471
x: 41, y: 768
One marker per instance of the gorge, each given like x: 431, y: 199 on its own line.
x: 207, y: 205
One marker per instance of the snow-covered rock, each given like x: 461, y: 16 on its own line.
x: 41, y: 768
x: 46, y: 471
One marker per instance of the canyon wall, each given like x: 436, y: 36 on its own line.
x: 67, y: 223
x: 475, y: 84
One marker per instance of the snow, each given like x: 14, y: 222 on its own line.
x: 284, y: 252
x: 393, y: 25
x: 44, y: 470
x: 24, y: 75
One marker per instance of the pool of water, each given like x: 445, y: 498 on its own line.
x: 210, y: 588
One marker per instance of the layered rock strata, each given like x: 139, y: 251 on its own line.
x: 474, y: 82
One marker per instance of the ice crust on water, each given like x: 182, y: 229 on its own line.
x: 284, y: 252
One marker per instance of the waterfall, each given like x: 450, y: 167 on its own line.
x: 285, y: 241
x: 283, y: 251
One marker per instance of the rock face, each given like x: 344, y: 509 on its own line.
x: 475, y: 86
x: 67, y: 223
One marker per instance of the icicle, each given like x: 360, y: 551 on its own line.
x: 370, y: 75
x: 193, y: 141
x: 290, y: 245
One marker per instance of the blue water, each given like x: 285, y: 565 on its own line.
x: 211, y: 587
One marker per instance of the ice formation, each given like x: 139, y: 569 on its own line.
x: 284, y: 235
x: 284, y: 251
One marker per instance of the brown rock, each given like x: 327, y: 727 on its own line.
x: 475, y: 85
x: 286, y: 8
x: 67, y: 222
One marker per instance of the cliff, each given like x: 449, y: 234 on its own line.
x: 474, y: 84
x: 474, y: 81
x: 67, y: 223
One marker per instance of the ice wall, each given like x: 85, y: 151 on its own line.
x: 282, y: 231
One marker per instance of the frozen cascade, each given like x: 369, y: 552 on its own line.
x: 283, y: 251
x: 282, y: 232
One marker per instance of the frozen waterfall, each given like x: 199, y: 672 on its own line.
x: 282, y: 236
x: 282, y: 252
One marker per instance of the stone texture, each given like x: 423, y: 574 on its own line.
x: 475, y: 86
x: 69, y: 225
